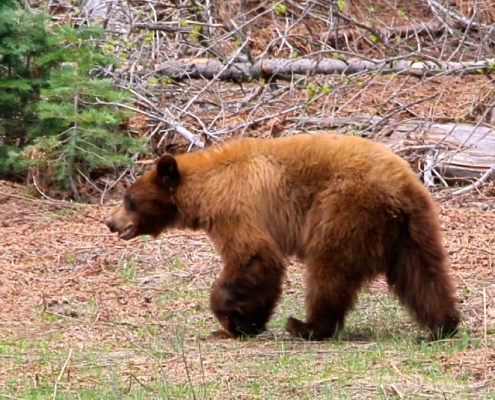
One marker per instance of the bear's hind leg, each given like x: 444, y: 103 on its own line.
x: 421, y: 281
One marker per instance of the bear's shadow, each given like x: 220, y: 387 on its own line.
x: 358, y: 335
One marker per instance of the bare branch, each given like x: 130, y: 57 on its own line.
x: 439, y: 8
x: 201, y: 69
x: 486, y: 176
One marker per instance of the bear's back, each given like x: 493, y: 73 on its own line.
x: 256, y: 167
x: 318, y: 158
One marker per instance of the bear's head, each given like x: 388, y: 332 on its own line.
x: 148, y: 207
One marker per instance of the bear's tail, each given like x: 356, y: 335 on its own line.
x: 419, y: 276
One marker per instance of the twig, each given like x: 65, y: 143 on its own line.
x: 485, y: 334
x: 61, y: 373
x: 414, y: 148
x: 186, y: 366
x: 40, y: 191
x: 107, y: 188
x: 429, y: 166
x: 487, y: 175
x: 45, y: 307
x: 6, y: 396
x: 203, y: 376
x: 397, y: 391
x: 90, y: 183
x: 194, y: 139
x: 49, y: 201
x: 217, y: 75
x: 440, y: 178
x: 143, y: 385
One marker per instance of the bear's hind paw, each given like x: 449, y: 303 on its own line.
x: 305, y: 331
x: 299, y: 329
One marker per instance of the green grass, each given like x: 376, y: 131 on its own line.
x: 185, y: 367
x: 166, y: 352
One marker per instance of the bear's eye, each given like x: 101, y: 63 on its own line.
x: 128, y: 202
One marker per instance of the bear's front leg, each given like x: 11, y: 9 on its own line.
x: 250, y: 283
x: 242, y: 310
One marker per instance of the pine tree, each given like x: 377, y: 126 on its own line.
x: 22, y: 39
x: 88, y: 136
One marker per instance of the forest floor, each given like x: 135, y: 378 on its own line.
x: 84, y: 314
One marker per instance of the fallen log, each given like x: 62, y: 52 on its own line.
x: 281, y: 68
x: 457, y: 151
x: 462, y: 151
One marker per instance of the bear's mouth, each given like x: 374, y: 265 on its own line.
x: 128, y: 233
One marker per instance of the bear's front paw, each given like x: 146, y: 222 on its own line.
x: 222, y: 334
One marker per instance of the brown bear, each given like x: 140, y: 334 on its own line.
x: 347, y: 207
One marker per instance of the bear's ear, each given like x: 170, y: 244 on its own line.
x: 167, y: 171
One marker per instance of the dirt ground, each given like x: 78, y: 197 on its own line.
x: 57, y: 258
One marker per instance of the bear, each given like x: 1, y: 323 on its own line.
x: 347, y: 207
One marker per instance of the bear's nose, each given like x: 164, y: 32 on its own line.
x: 110, y: 225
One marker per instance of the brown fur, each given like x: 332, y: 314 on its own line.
x: 347, y: 207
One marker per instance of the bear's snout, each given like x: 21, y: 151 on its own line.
x: 110, y: 225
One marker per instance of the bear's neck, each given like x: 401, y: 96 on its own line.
x: 205, y: 194
x: 194, y: 200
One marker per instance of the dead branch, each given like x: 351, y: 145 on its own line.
x: 486, y: 176
x: 447, y: 14
x: 191, y: 137
x: 200, y: 70
x: 163, y: 27
x: 67, y: 361
x: 432, y: 28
